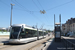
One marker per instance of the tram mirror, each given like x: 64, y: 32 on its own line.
x: 22, y: 28
x: 10, y: 29
x: 22, y: 31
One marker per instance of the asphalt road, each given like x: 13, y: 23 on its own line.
x: 21, y: 46
x: 4, y: 39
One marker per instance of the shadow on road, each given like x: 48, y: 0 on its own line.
x: 56, y: 46
x: 7, y: 43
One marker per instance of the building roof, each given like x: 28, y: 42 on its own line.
x: 57, y: 23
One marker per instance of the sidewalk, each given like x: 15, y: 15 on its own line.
x: 56, y: 46
x: 4, y: 36
x: 71, y: 39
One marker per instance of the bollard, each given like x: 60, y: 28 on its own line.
x: 66, y: 44
x: 72, y: 47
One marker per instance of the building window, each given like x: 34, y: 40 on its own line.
x: 64, y: 29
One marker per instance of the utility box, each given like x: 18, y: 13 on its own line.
x: 57, y: 32
x: 57, y: 29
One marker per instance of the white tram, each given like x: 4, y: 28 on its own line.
x: 21, y: 33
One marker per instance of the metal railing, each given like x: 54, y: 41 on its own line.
x: 68, y: 44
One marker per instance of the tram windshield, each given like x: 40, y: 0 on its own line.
x: 14, y: 32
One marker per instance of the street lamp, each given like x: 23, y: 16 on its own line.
x: 11, y: 14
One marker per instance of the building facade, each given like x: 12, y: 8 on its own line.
x: 69, y: 26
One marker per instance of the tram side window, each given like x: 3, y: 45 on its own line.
x: 40, y: 34
x: 31, y: 33
x: 34, y: 33
x: 28, y: 33
x: 45, y: 33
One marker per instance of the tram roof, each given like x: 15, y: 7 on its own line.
x: 26, y: 26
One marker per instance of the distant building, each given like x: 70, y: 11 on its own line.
x: 1, y: 28
x: 69, y: 26
x: 4, y: 29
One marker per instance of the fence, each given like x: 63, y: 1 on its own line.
x: 4, y: 33
x: 68, y: 44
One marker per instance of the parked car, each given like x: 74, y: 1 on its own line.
x: 67, y: 34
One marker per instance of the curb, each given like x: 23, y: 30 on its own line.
x: 48, y: 43
x: 40, y: 46
x: 36, y: 44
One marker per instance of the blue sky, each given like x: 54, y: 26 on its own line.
x: 28, y: 12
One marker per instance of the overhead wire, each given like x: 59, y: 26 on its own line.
x: 37, y: 18
x: 60, y: 5
x: 40, y: 4
x: 46, y: 14
x: 9, y: 5
x: 4, y: 3
x: 55, y: 6
x: 29, y: 12
x: 38, y: 7
x: 23, y: 9
x: 42, y: 8
x: 20, y: 5
x: 35, y: 5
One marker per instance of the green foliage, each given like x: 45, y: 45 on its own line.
x: 0, y: 30
x: 3, y: 31
x: 48, y: 31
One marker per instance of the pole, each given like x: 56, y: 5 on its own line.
x: 11, y: 17
x: 54, y: 26
x: 60, y: 24
x: 60, y: 19
x: 54, y: 23
x: 11, y: 14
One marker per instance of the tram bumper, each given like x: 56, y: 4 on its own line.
x: 14, y: 41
